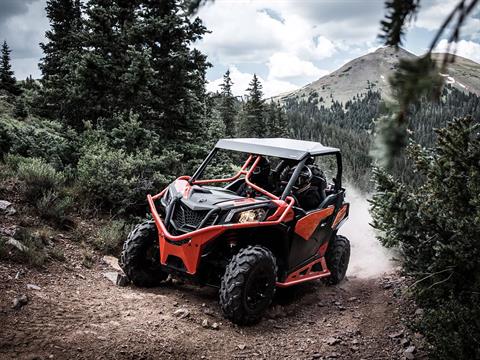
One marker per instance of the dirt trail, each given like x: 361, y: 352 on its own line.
x: 79, y: 314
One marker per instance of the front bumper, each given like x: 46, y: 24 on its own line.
x: 188, y: 247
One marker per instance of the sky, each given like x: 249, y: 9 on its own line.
x: 287, y: 43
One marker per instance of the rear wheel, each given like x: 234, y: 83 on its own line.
x: 140, y: 259
x: 337, y: 258
x: 248, y: 285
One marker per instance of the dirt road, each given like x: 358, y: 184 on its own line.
x: 78, y: 314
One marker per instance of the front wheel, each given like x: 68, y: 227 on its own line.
x: 140, y: 259
x: 248, y: 285
x: 337, y: 258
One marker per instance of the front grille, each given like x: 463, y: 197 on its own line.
x: 187, y: 219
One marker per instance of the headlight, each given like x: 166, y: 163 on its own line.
x: 246, y: 216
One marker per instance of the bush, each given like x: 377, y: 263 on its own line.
x: 110, y: 237
x: 5, y: 140
x: 120, y: 181
x: 39, y: 177
x: 54, y: 207
x: 35, y: 253
x: 437, y: 228
x: 39, y: 138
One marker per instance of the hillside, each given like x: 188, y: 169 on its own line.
x: 371, y: 72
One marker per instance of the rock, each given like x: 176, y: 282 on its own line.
x: 112, y: 276
x: 116, y: 278
x: 419, y: 312
x: 408, y: 353
x: 6, y: 208
x: 33, y: 287
x: 181, y: 313
x: 387, y: 286
x: 205, y: 324
x: 353, y: 298
x: 316, y: 356
x: 242, y: 346
x: 333, y: 341
x: 112, y: 261
x: 207, y: 311
x: 19, y: 274
x: 17, y: 244
x: 215, y: 326
x: 405, y: 342
x: 20, y: 301
x: 396, y: 335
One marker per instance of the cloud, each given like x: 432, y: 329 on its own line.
x: 23, y: 25
x: 271, y: 87
x: 9, y: 8
x: 285, y: 65
x: 251, y: 31
x: 465, y: 48
x: 433, y: 14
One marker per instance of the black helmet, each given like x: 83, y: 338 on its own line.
x: 261, y: 172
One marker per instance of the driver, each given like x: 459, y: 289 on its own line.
x: 309, y: 189
x: 260, y: 177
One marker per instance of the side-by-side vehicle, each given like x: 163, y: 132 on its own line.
x: 272, y: 224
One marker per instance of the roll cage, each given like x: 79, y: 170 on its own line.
x: 285, y: 149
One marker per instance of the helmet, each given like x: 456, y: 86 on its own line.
x: 261, y: 172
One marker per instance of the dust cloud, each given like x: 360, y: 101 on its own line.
x: 368, y: 257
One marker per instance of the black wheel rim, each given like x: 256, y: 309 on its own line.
x: 258, y: 289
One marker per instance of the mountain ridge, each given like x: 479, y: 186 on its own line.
x: 372, y: 71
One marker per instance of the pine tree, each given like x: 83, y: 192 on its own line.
x: 254, y: 123
x: 61, y: 54
x: 7, y: 78
x: 227, y: 108
x: 20, y: 110
x: 276, y: 120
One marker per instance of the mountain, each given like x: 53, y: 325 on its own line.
x: 372, y: 71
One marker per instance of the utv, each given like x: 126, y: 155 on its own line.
x: 273, y: 224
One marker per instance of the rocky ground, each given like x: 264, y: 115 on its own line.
x: 69, y: 312
x: 69, y: 308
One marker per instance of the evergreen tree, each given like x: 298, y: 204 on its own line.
x: 254, y: 123
x: 7, y: 78
x: 61, y: 54
x: 20, y: 110
x: 276, y: 121
x: 140, y: 58
x: 227, y: 108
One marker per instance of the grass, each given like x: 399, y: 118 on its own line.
x: 110, y: 237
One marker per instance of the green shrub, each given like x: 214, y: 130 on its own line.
x: 56, y: 253
x: 39, y: 178
x: 20, y: 110
x: 110, y: 237
x: 39, y: 138
x: 5, y: 140
x: 54, y: 207
x: 35, y: 254
x: 115, y: 179
x: 437, y: 228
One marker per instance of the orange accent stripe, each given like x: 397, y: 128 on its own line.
x: 341, y: 214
